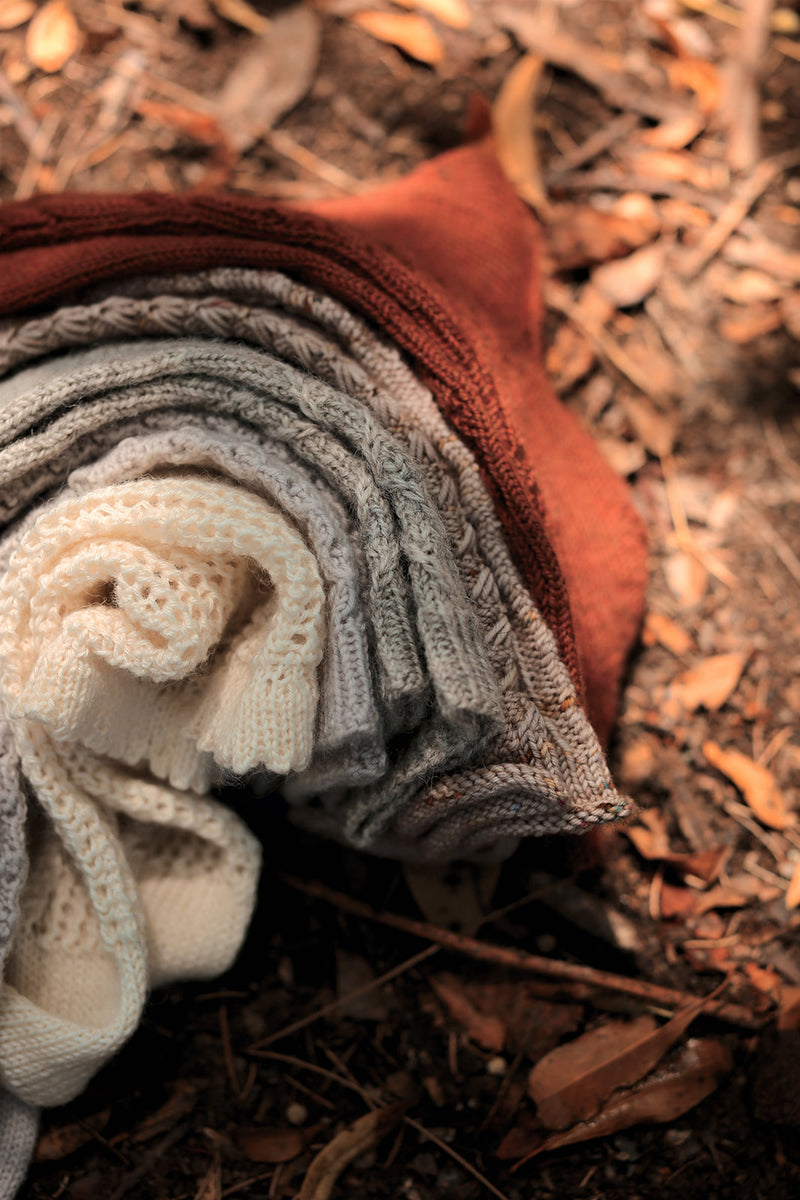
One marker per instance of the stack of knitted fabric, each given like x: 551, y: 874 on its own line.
x: 285, y: 499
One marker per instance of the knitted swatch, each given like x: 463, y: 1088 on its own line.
x: 249, y: 533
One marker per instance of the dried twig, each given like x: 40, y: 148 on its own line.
x: 650, y: 993
x: 743, y: 199
x: 745, y: 97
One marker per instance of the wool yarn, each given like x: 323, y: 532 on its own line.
x: 284, y: 499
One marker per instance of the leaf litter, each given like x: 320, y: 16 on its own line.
x: 672, y: 305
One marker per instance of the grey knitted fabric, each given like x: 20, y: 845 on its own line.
x: 559, y: 771
x: 18, y: 1121
x: 458, y: 694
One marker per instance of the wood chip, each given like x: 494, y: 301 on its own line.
x: 627, y: 281
x: 661, y: 629
x: 710, y: 684
x: 454, y: 13
x: 410, y: 32
x: 53, y: 36
x: 756, y: 783
x: 14, y: 13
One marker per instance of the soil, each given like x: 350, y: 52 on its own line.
x: 187, y: 1092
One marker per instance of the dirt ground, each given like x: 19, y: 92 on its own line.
x: 691, y: 390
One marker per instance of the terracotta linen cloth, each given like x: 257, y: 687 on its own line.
x: 444, y: 263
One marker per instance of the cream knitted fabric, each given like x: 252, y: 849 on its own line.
x: 162, y: 623
x: 114, y: 595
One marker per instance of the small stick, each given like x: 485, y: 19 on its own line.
x: 227, y: 1050
x: 651, y: 993
x: 734, y: 211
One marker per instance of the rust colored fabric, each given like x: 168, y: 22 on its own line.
x: 445, y: 263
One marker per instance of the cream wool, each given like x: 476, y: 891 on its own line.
x: 110, y: 609
x: 117, y: 593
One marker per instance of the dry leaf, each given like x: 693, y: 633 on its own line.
x: 711, y: 684
x: 654, y: 430
x: 750, y: 323
x: 270, y: 77
x: 793, y: 891
x: 700, y: 77
x: 569, y: 357
x: 578, y: 235
x: 674, y: 134
x: 514, y: 124
x: 756, y: 783
x: 239, y: 12
x: 790, y: 312
x: 666, y: 1095
x: 687, y: 578
x: 53, y: 36
x: 272, y: 1145
x: 638, y: 763
x: 789, y: 1008
x: 749, y: 286
x: 533, y: 1025
x: 489, y: 1032
x: 353, y: 975
x: 455, y: 895
x: 625, y: 458
x: 627, y: 281
x: 572, y: 1082
x: 570, y: 1064
x: 408, y: 31
x: 349, y: 1144
x: 14, y: 13
x: 454, y: 13
x: 764, y: 979
x: 62, y: 1140
x: 667, y: 633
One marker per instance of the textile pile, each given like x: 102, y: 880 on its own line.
x: 285, y: 500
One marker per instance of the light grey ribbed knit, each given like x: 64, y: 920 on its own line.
x: 18, y: 1121
x: 561, y: 779
x: 340, y: 438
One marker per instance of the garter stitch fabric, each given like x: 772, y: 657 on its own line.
x: 458, y: 290
x: 432, y: 829
x: 366, y: 381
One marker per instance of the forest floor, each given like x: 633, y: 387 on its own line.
x: 667, y: 178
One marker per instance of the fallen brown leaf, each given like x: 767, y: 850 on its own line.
x: 793, y: 891
x: 627, y: 281
x: 53, y: 36
x: 674, y: 134
x: 181, y: 1102
x: 240, y: 13
x: 349, y: 1144
x: 752, y: 322
x: 639, y: 763
x: 625, y: 458
x: 270, y: 77
x: 353, y: 975
x: 711, y: 683
x: 767, y: 981
x: 578, y: 235
x: 700, y: 77
x: 272, y: 1145
x: 487, y: 1031
x: 668, y: 633
x: 749, y: 286
x: 456, y: 896
x: 790, y: 312
x: 533, y: 1025
x: 62, y: 1140
x: 408, y: 31
x: 571, y: 1082
x: 789, y: 1008
x: 570, y: 356
x: 665, y: 1096
x: 454, y: 13
x: 14, y: 13
x: 755, y: 782
x: 686, y: 577
x: 514, y: 124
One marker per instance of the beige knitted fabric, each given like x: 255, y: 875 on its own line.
x: 152, y: 624
x: 115, y: 594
